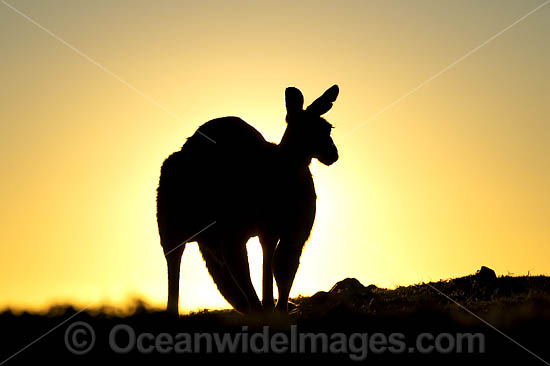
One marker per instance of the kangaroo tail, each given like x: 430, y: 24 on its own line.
x: 224, y: 281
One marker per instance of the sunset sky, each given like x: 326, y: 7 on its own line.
x: 442, y: 124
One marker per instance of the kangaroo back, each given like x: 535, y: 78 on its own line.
x: 210, y: 178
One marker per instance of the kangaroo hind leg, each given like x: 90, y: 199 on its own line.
x: 286, y: 260
x: 268, y: 242
x: 173, y: 261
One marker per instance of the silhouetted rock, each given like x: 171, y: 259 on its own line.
x: 348, y: 295
x: 485, y: 274
x: 348, y: 284
x: 351, y: 285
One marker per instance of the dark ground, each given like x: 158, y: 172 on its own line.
x: 517, y: 307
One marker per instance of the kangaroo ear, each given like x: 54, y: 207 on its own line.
x: 294, y: 100
x: 324, y: 103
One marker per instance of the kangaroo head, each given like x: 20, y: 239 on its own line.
x: 308, y: 131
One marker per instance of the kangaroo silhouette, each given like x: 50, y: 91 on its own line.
x: 228, y: 184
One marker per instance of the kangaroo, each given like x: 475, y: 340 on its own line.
x: 228, y: 184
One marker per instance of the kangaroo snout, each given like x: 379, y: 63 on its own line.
x: 330, y: 157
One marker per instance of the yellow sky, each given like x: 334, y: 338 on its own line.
x: 453, y: 176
